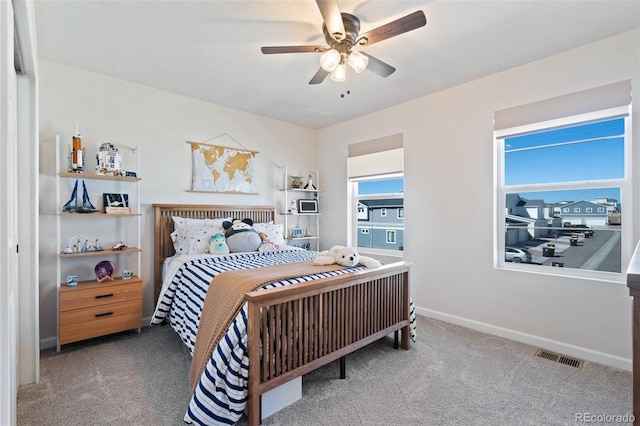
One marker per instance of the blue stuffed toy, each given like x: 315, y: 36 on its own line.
x: 218, y: 244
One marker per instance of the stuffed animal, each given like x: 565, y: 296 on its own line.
x: 218, y: 244
x: 345, y: 256
x: 266, y: 245
x: 241, y: 236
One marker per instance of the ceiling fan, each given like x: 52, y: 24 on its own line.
x: 341, y: 32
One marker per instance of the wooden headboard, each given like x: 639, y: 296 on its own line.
x: 163, y: 246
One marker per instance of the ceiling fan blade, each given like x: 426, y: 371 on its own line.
x: 319, y: 77
x: 399, y: 26
x: 332, y: 18
x: 292, y: 49
x: 377, y: 66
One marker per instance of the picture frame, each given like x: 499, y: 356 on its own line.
x: 307, y: 205
x: 116, y: 203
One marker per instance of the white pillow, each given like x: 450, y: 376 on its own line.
x: 181, y: 222
x: 273, y: 231
x: 194, y: 239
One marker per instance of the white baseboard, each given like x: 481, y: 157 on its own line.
x: 529, y: 339
x: 48, y: 343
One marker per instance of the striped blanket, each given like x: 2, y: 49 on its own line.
x: 220, y: 396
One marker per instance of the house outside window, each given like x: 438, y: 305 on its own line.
x: 568, y: 219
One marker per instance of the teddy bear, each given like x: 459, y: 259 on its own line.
x: 218, y: 244
x: 241, y: 236
x: 345, y: 256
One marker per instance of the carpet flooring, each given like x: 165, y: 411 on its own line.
x: 451, y: 376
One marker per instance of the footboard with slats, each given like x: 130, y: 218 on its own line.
x: 293, y: 330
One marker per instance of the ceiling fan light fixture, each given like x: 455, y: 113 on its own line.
x: 358, y: 61
x: 330, y: 60
x: 339, y: 74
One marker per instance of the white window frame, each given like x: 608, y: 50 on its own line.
x: 625, y: 185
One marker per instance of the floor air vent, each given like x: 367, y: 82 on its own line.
x: 562, y: 359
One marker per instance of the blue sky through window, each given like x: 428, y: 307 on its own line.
x: 382, y: 186
x: 592, y: 151
x: 586, y: 152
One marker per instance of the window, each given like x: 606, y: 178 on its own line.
x: 376, y: 195
x: 551, y: 177
x: 382, y: 226
x: 391, y: 236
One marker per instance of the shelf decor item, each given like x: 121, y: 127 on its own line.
x: 76, y: 153
x: 104, y: 270
x: 109, y: 160
x: 116, y: 203
x: 72, y: 280
x: 296, y: 182
x: 72, y: 206
x: 310, y: 184
x: 307, y: 206
x: 81, y: 244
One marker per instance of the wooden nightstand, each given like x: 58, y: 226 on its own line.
x: 93, y: 309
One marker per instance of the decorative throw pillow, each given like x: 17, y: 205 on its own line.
x: 273, y: 231
x: 182, y: 222
x: 193, y: 239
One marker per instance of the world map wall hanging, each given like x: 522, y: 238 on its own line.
x: 223, y: 169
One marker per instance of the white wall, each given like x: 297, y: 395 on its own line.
x: 448, y: 143
x: 111, y: 110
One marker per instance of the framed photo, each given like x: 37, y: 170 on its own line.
x: 307, y: 206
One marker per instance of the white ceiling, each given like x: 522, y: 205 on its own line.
x: 210, y: 50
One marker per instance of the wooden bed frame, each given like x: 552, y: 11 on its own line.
x: 301, y: 327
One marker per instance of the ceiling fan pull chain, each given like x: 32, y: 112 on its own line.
x: 348, y: 89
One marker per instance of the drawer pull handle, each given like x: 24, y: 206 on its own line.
x: 104, y: 295
x: 104, y: 315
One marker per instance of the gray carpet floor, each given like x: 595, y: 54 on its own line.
x: 451, y: 376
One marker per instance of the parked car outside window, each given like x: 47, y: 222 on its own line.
x: 517, y: 255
